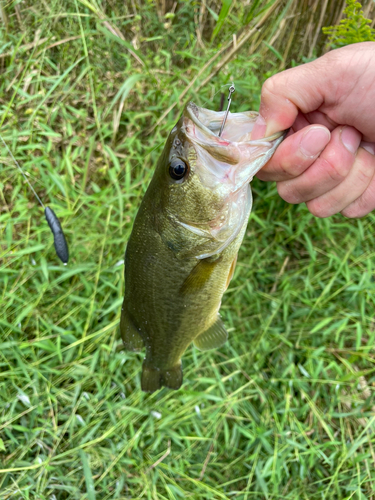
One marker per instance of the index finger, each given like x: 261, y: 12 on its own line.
x: 284, y: 94
x: 295, y: 154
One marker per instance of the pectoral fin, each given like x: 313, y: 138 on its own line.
x: 199, y: 275
x: 129, y: 333
x: 212, y: 338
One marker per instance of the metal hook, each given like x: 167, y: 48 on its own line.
x: 231, y: 91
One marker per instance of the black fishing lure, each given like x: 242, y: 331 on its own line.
x: 61, y: 245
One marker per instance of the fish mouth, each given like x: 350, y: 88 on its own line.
x: 225, y: 165
x: 238, y: 126
x: 233, y: 158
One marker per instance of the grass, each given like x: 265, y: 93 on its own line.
x: 285, y: 410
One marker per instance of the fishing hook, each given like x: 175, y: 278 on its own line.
x: 231, y: 91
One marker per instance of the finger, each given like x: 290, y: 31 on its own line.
x: 331, y: 84
x: 328, y: 170
x: 349, y: 190
x: 300, y: 122
x: 366, y: 202
x: 368, y: 146
x: 314, y: 118
x: 322, y: 119
x: 287, y: 92
x: 295, y: 154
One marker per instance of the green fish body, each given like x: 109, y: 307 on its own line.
x: 183, y: 248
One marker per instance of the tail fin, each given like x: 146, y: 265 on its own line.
x: 154, y: 378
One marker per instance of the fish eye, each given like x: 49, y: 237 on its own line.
x: 178, y: 169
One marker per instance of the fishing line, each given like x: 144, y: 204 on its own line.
x: 61, y: 245
x: 22, y: 172
x: 215, y: 94
x: 120, y: 177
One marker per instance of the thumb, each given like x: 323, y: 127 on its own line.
x: 299, y: 88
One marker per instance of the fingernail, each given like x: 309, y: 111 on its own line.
x: 351, y: 138
x: 314, y: 141
x: 368, y: 146
x: 259, y: 128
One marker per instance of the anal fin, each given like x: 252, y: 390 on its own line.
x: 213, y: 337
x: 129, y: 333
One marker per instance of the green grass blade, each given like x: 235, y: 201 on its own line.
x: 222, y: 17
x: 90, y: 488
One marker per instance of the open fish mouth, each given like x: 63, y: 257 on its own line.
x: 234, y: 157
x: 238, y: 127
x: 226, y: 165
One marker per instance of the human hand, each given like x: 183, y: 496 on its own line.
x: 328, y: 157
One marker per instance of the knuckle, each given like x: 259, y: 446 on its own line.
x: 263, y: 175
x: 270, y: 86
x: 318, y: 209
x: 352, y: 212
x: 335, y: 173
x: 365, y: 172
x: 359, y: 208
x: 288, y: 194
x: 291, y: 167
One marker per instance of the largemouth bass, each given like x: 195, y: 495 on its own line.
x: 183, y: 248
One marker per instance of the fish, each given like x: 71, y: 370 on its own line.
x: 182, y: 251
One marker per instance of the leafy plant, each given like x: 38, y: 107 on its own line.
x: 355, y: 28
